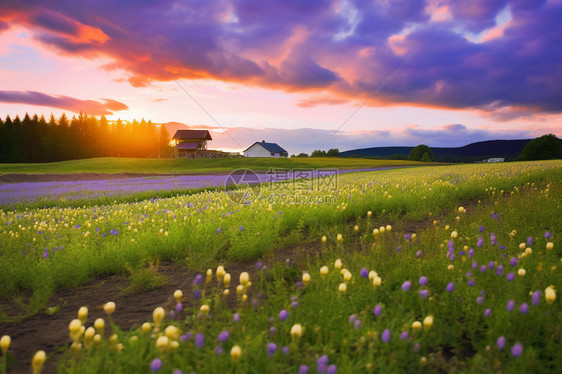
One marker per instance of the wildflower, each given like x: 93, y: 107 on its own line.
x: 271, y: 349
x: 226, y: 280
x: 339, y: 238
x: 487, y: 312
x: 450, y: 287
x: 513, y: 261
x: 158, y: 315
x: 419, y: 253
x: 162, y: 343
x: 303, y: 369
x: 451, y: 267
x: 5, y: 343
x: 244, y: 278
x: 483, y: 268
x: 524, y: 308
x: 424, y: 293
x: 324, y: 239
x: 385, y: 336
x: 500, y: 342
x: 547, y: 235
x: 236, y: 353
x: 376, y: 232
x: 404, y: 335
x: 272, y: 330
x: 109, y: 308
x: 517, y: 350
x: 454, y: 235
x: 223, y: 336
x: 285, y: 349
x: 521, y: 272
x: 305, y: 278
x: 236, y: 317
x: 422, y: 281
x: 510, y: 276
x: 296, y: 330
x: 428, y: 322
x: 332, y: 369
x: 38, y: 361
x: 342, y: 287
x: 178, y: 294
x: 338, y: 264
x: 356, y: 228
x: 416, y: 325
x: 364, y: 273
x: 536, y: 297
x: 377, y: 310
x: 510, y: 305
x: 324, y: 270
x: 156, y: 364
x: 283, y: 315
x: 549, y: 245
x: 347, y: 276
x: 406, y: 285
x: 199, y: 340
x: 550, y: 294
x: 479, y: 299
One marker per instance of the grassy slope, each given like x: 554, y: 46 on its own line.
x: 152, y: 165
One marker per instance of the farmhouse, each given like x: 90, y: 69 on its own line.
x: 264, y: 149
x: 190, y: 141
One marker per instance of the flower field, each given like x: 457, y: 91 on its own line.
x: 449, y: 268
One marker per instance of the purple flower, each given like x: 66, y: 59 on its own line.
x: 283, y: 315
x: 236, y: 317
x: 491, y: 264
x: 156, y: 364
x: 479, y: 299
x: 487, y: 312
x: 172, y: 314
x: 219, y: 230
x: 547, y: 235
x: 475, y: 265
x: 468, y: 274
x: 423, y: 281
x: 510, y: 305
x: 483, y: 268
x: 219, y: 351
x: 385, y: 336
x: 423, y: 293
x: 357, y: 324
x: 179, y: 307
x: 481, y: 228
x: 417, y: 347
x: 197, y: 294
x: 517, y: 350
x: 364, y: 273
x: 398, y: 249
x: 198, y: 279
x: 271, y: 349
x: 471, y: 283
x: 408, y: 237
x: 513, y: 261
x: 480, y: 242
x: 272, y: 330
x: 419, y: 253
x: 536, y: 297
x: 510, y: 276
x: 294, y: 304
x: 499, y: 271
x: 450, y: 287
x: 303, y: 369
x: 223, y: 336
x: 524, y: 308
x: 406, y: 285
x: 352, y: 318
x: 404, y: 335
x: 501, y: 342
x: 378, y: 310
x: 530, y: 241
x: 322, y: 360
x: 332, y: 369
x: 185, y: 337
x: 285, y: 349
x: 471, y: 252
x: 199, y: 340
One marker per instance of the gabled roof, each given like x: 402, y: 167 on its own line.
x: 192, y: 134
x: 187, y: 145
x: 271, y: 147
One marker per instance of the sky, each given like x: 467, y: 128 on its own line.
x: 304, y: 74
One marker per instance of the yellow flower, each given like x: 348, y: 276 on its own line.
x: 236, y: 353
x: 296, y: 330
x: 204, y: 309
x: 244, y: 278
x: 220, y: 272
x: 376, y: 232
x: 521, y: 272
x: 83, y: 314
x: 388, y: 228
x: 227, y: 280
x: 109, y: 308
x: 342, y: 287
x: 347, y: 276
x: 446, y: 227
x: 38, y: 361
x: 521, y: 245
x: 377, y: 281
x: 305, y: 278
x: 454, y: 235
x: 209, y: 275
x: 461, y: 209
x: 372, y: 274
x: 416, y: 325
x: 226, y: 292
x: 338, y: 264
x: 158, y: 315
x: 428, y: 322
x: 324, y: 270
x: 528, y: 251
x: 90, y: 333
x: 172, y: 332
x: 178, y: 294
x: 162, y: 343
x: 369, y: 213
x: 339, y: 238
x: 239, y: 289
x: 5, y: 343
x: 324, y: 239
x: 450, y: 267
x: 146, y: 327
x: 549, y: 245
x: 550, y: 294
x: 356, y: 228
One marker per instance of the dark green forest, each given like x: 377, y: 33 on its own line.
x: 35, y: 139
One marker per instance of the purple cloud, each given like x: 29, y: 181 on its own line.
x: 64, y: 102
x: 394, y: 51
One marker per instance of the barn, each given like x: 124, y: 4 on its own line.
x: 263, y: 149
x: 189, y: 142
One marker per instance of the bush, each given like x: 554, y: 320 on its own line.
x: 417, y: 153
x: 547, y: 147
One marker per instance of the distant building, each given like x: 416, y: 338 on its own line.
x: 497, y: 159
x: 190, y: 141
x: 264, y: 149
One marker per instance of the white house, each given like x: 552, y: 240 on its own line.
x: 264, y: 149
x: 497, y: 159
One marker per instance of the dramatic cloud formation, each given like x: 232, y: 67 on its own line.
x: 501, y: 57
x: 63, y: 102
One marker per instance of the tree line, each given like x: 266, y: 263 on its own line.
x: 34, y: 139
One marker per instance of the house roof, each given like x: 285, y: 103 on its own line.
x: 187, y: 145
x: 271, y: 147
x: 192, y: 134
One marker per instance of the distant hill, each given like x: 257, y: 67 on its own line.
x: 508, y: 149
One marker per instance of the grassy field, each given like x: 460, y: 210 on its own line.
x: 475, y: 290
x: 182, y: 166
